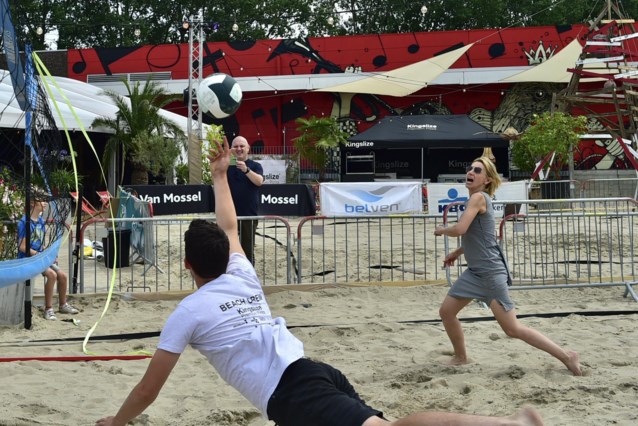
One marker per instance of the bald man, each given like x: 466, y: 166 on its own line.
x: 244, y: 180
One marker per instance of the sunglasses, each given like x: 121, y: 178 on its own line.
x: 476, y: 170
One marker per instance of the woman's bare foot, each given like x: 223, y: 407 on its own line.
x: 573, y: 363
x: 457, y: 360
x: 527, y: 416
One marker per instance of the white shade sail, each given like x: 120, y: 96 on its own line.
x: 401, y: 81
x: 89, y: 102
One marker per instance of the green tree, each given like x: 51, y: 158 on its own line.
x: 318, y: 135
x: 141, y: 134
x: 557, y: 133
x: 112, y: 23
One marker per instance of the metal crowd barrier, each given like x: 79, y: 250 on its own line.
x: 590, y: 188
x: 162, y: 268
x: 569, y: 243
x: 368, y: 249
x: 548, y: 243
x: 605, y: 188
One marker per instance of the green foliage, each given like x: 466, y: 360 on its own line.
x: 112, y: 23
x: 181, y: 174
x: 214, y: 133
x: 155, y: 153
x: 318, y: 136
x: 61, y: 178
x: 11, y: 196
x: 11, y: 210
x: 61, y: 181
x: 141, y: 134
x: 548, y: 132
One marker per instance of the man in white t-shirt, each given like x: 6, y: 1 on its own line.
x: 228, y: 320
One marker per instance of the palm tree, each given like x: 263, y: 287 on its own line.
x: 149, y: 141
x: 318, y: 136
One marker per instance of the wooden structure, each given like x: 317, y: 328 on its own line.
x: 610, y: 47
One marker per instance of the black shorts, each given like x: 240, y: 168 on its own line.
x: 312, y: 393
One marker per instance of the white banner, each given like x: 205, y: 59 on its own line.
x: 370, y: 198
x: 442, y: 194
x: 274, y: 170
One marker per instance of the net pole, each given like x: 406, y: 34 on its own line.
x: 27, y: 209
x: 78, y: 248
x: 28, y: 133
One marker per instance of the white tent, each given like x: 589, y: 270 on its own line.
x: 89, y: 102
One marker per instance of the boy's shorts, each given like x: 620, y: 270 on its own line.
x: 312, y: 393
x: 55, y: 268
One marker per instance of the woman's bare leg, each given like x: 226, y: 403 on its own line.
x: 513, y: 328
x: 448, y: 311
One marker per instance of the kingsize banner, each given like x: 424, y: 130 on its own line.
x: 370, y: 198
x: 274, y: 170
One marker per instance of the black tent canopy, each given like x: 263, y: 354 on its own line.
x: 419, y: 147
x: 426, y: 131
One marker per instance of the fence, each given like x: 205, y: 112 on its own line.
x: 590, y: 242
x: 603, y: 188
x: 367, y: 249
x: 299, y: 169
x: 584, y: 242
x: 165, y: 271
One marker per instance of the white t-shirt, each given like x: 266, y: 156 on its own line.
x: 229, y: 322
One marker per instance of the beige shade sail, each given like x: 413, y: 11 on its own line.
x: 554, y: 70
x: 401, y: 81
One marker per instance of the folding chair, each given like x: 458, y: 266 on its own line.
x: 86, y: 206
x: 105, y: 198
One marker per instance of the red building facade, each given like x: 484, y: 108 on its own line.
x: 471, y: 86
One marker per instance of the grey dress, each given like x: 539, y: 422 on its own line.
x: 487, y: 276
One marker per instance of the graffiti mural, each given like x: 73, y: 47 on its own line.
x: 267, y: 118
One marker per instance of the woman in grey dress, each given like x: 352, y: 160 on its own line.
x: 486, y: 277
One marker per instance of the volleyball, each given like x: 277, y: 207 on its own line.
x: 219, y: 95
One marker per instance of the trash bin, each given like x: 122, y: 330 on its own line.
x: 123, y: 238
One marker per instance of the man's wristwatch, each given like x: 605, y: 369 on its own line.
x: 247, y: 170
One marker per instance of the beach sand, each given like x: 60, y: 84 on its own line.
x: 386, y: 339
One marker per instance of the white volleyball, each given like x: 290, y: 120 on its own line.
x: 219, y: 95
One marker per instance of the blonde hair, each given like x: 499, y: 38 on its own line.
x: 491, y: 173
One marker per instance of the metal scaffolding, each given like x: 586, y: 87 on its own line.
x: 194, y: 124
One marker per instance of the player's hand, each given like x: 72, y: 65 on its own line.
x: 438, y: 231
x: 219, y: 157
x: 449, y: 261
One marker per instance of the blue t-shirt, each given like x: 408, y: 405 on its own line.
x: 245, y: 193
x: 38, y: 230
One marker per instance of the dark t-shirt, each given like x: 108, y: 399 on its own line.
x: 245, y: 193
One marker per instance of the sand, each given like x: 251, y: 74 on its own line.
x: 386, y: 339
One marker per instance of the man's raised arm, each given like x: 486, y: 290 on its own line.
x: 225, y: 215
